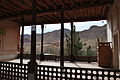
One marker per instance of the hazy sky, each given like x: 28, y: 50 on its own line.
x: 79, y: 26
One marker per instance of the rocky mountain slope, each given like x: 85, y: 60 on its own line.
x: 52, y: 39
x: 93, y: 33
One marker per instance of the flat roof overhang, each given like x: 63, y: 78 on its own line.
x: 49, y: 11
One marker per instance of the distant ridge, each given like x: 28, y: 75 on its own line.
x: 52, y: 39
x: 92, y: 33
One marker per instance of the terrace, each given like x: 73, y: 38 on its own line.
x: 40, y: 12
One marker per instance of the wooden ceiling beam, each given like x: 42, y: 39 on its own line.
x: 67, y: 15
x: 1, y: 14
x: 52, y: 11
x: 53, y: 17
x: 48, y: 18
x: 4, y: 11
x: 25, y: 4
x: 63, y: 2
x: 8, y: 10
x: 9, y: 1
x: 54, y: 3
x: 103, y: 11
x: 44, y: 18
x: 11, y: 6
x: 38, y: 5
x: 41, y: 18
x: 46, y: 4
x: 74, y: 14
x: 73, y: 2
x: 79, y: 19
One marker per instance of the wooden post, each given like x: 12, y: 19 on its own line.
x: 62, y: 40
x: 42, y: 55
x: 22, y: 44
x: 71, y: 56
x: 32, y: 65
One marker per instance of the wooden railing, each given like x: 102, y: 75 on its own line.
x: 13, y: 71
x: 16, y: 71
x: 66, y: 58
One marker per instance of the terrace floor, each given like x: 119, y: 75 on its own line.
x: 66, y: 64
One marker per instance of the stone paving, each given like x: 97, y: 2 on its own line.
x: 66, y: 64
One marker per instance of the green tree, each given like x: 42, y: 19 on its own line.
x: 77, y: 44
x: 89, y: 51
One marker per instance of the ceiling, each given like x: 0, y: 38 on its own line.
x: 49, y: 11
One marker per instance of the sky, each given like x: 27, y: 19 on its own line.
x: 80, y: 26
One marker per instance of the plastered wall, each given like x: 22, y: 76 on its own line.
x: 9, y: 39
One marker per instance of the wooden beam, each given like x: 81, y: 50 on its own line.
x: 46, y: 4
x: 63, y: 2
x: 79, y: 19
x: 10, y: 6
x: 47, y: 18
x: 41, y: 18
x: 3, y: 12
x: 74, y: 14
x: 54, y: 3
x: 39, y: 6
x: 52, y: 11
x: 25, y: 4
x: 11, y: 12
x: 73, y: 2
x: 50, y: 18
x: 2, y: 9
x: 68, y: 15
x: 13, y: 4
x: 103, y: 11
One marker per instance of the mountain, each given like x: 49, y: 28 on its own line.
x: 91, y: 36
x: 49, y: 37
x: 52, y: 39
x: 53, y: 36
x: 93, y: 32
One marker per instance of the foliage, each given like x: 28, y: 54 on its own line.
x: 89, y: 51
x: 77, y: 44
x: 51, y: 49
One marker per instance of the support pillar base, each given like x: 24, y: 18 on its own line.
x: 42, y: 57
x: 72, y: 58
x: 32, y: 70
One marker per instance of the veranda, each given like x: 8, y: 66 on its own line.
x: 39, y: 12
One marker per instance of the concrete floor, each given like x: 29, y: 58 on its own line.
x: 66, y: 64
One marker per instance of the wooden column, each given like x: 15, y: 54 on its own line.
x: 62, y: 40
x: 32, y: 65
x: 22, y: 44
x: 33, y: 32
x: 72, y: 56
x: 42, y: 55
